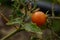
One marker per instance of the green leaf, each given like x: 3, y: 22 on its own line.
x: 32, y: 28
x: 19, y: 14
x: 15, y: 21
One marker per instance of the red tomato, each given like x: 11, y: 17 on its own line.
x: 39, y: 18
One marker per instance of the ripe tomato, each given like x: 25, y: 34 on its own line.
x: 39, y: 18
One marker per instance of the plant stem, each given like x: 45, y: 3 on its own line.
x: 10, y: 34
x: 4, y: 17
x: 34, y: 5
x: 54, y: 17
x: 25, y: 15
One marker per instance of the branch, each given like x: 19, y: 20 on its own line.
x: 4, y: 17
x: 10, y: 34
x: 54, y: 17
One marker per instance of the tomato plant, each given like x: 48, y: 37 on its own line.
x: 20, y: 20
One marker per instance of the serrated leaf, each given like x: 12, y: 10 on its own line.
x: 32, y: 28
x: 15, y: 21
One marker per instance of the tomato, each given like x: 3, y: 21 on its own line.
x: 39, y: 18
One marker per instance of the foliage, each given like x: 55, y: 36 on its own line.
x: 20, y: 16
x: 32, y: 28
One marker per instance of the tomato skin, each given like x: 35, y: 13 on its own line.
x: 39, y: 18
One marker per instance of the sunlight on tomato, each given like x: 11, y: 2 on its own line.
x: 39, y: 18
